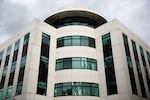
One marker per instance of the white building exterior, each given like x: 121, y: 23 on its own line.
x: 79, y: 48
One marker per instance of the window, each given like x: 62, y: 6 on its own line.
x: 76, y: 63
x: 16, y: 51
x: 22, y: 63
x: 136, y: 58
x: 17, y: 45
x: 130, y: 65
x: 19, y: 88
x: 75, y: 41
x: 8, y: 92
x: 7, y: 56
x: 1, y: 57
x: 145, y: 67
x: 4, y: 70
x: 75, y: 21
x: 148, y: 57
x: 43, y: 67
x: 8, y: 50
x: 109, y: 65
x: 84, y: 41
x: 76, y: 89
x: 67, y: 41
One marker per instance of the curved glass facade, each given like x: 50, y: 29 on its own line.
x: 75, y: 21
x: 76, y: 63
x: 76, y: 89
x: 76, y: 41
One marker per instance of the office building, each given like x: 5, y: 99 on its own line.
x: 75, y: 54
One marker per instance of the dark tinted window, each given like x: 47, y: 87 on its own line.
x: 76, y: 41
x: 76, y: 89
x: 109, y: 65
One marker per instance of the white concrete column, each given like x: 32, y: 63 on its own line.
x: 51, y: 67
x: 120, y: 63
x: 32, y: 62
x: 101, y: 66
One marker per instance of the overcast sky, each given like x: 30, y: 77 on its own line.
x: 15, y: 14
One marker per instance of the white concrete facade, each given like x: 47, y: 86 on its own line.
x: 37, y: 27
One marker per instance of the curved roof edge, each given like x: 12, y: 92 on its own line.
x: 75, y: 11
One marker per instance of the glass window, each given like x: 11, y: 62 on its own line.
x: 145, y: 67
x: 95, y: 91
x: 17, y: 45
x: 148, y: 57
x: 26, y: 38
x: 1, y: 55
x: 86, y: 89
x: 12, y: 71
x: 19, y: 88
x: 59, y: 64
x: 43, y: 67
x: 84, y: 63
x: 67, y: 64
x: 84, y: 41
x: 75, y: 21
x: 76, y: 63
x: 60, y: 42
x: 13, y: 67
x: 75, y: 41
x: 6, y: 60
x: 9, y: 91
x: 15, y: 55
x: 76, y: 89
x: 109, y: 65
x: 2, y: 82
x: 8, y: 50
x: 93, y: 65
x: 45, y: 39
x: 1, y: 93
x: 23, y: 62
x: 91, y: 42
x: 58, y: 89
x: 41, y: 88
x: 4, y: 71
x: 67, y: 89
x: 130, y: 66
x: 22, y: 65
x: 140, y: 77
x: 67, y: 41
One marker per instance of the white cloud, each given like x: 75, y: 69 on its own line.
x: 25, y: 2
